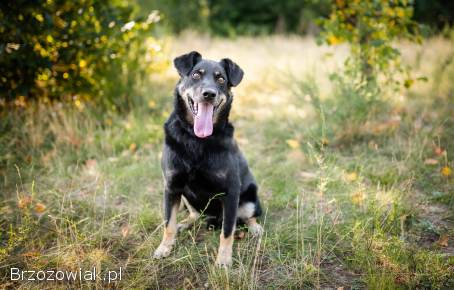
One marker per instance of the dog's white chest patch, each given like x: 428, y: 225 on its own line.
x: 246, y: 210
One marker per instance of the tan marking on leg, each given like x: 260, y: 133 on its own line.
x: 225, y: 250
x: 253, y: 227
x: 191, y: 219
x: 193, y: 213
x: 170, y: 231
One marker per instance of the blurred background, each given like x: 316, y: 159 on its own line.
x: 55, y: 49
x: 345, y: 114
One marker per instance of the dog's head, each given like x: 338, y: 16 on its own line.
x: 205, y: 89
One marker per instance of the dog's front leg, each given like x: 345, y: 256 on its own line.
x: 171, y: 205
x: 230, y: 205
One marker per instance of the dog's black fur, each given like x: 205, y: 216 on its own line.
x: 211, y: 173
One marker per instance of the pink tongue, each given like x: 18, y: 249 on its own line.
x: 203, y: 122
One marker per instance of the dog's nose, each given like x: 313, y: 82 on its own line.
x: 209, y: 94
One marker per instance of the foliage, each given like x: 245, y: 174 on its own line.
x: 85, y: 50
x: 373, y: 73
x: 438, y: 14
x: 262, y: 16
x: 178, y: 16
x: 370, y: 27
x: 232, y: 18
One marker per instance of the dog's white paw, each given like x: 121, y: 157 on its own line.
x: 256, y: 230
x: 162, y: 251
x: 224, y: 260
x: 183, y: 226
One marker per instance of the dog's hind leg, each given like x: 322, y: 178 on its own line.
x: 191, y: 219
x: 249, y: 209
x: 253, y: 227
x: 246, y: 214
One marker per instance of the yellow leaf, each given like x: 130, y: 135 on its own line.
x: 446, y: 171
x: 43, y: 52
x: 333, y: 40
x: 292, y: 143
x: 39, y: 207
x: 31, y: 254
x: 79, y: 105
x: 151, y: 104
x: 82, y: 63
x: 132, y: 147
x: 358, y: 197
x: 340, y: 3
x: 352, y: 176
x: 24, y: 201
x: 37, y: 47
x: 443, y: 241
x: 39, y: 17
x: 165, y: 114
x: 65, y: 75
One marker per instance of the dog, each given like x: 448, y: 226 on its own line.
x: 201, y: 163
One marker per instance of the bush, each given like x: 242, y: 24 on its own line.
x: 370, y: 27
x: 373, y: 73
x: 83, y: 50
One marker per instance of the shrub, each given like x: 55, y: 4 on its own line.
x: 84, y: 50
x: 373, y: 73
x: 370, y: 27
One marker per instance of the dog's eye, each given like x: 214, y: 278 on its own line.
x: 221, y: 80
x: 196, y: 76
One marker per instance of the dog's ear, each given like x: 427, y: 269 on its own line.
x: 234, y: 72
x: 186, y: 62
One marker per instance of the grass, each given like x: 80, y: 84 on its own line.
x: 360, y: 205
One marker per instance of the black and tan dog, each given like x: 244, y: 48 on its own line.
x: 201, y: 162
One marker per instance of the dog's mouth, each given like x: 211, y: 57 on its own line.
x: 193, y: 106
x: 203, y: 117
